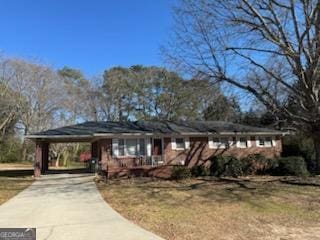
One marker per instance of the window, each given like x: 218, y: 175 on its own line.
x: 268, y: 142
x: 216, y: 142
x: 129, y: 147
x: 261, y: 142
x: 224, y: 142
x: 180, y: 143
x: 264, y: 142
x: 243, y: 142
x: 121, y: 147
x: 142, y: 150
x: 219, y: 143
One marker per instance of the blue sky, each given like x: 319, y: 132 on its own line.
x: 91, y: 35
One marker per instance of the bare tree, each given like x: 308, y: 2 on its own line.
x: 268, y: 48
x: 40, y: 88
x: 12, y: 103
x: 38, y: 95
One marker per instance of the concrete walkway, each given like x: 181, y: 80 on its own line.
x: 68, y: 207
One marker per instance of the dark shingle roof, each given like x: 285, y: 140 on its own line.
x: 164, y: 127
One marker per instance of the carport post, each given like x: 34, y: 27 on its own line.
x: 41, y: 164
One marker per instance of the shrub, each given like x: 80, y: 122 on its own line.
x: 217, y: 165
x: 300, y: 145
x: 257, y: 164
x: 180, y: 172
x: 295, y: 166
x: 11, y: 150
x: 226, y: 166
x: 233, y: 168
x: 198, y: 171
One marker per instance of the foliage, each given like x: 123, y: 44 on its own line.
x: 300, y: 145
x: 11, y: 150
x: 180, y: 172
x: 142, y: 92
x: 257, y: 164
x: 226, y: 166
x: 223, y: 109
x: 295, y: 166
x: 200, y: 170
x: 258, y: 118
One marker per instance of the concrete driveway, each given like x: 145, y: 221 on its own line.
x: 68, y: 207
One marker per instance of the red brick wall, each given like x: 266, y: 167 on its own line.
x: 198, y: 153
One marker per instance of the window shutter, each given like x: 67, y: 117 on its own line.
x: 211, y: 142
x: 115, y: 147
x: 238, y: 142
x: 274, y: 142
x: 249, y: 141
x: 187, y: 142
x: 173, y: 144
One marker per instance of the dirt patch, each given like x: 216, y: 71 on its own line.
x: 257, y: 208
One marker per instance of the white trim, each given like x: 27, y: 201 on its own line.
x: 149, y: 147
x: 173, y: 143
x: 211, y: 145
x: 187, y: 142
x: 249, y: 142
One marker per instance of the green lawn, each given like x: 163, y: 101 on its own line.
x: 262, y: 208
x: 10, y: 186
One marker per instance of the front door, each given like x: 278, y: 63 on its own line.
x: 157, y: 147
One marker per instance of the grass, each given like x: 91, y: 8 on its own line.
x: 29, y: 165
x: 262, y: 208
x: 10, y: 186
x: 19, y: 165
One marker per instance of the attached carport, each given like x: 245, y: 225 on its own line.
x: 98, y: 134
x: 41, y: 163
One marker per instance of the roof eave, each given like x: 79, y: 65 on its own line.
x: 57, y: 136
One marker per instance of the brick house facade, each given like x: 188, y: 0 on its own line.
x: 121, y: 147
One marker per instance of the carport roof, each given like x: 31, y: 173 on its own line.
x: 89, y: 130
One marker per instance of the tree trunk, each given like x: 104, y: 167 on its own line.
x: 24, y: 146
x: 65, y: 158
x: 58, y: 159
x: 316, y: 142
